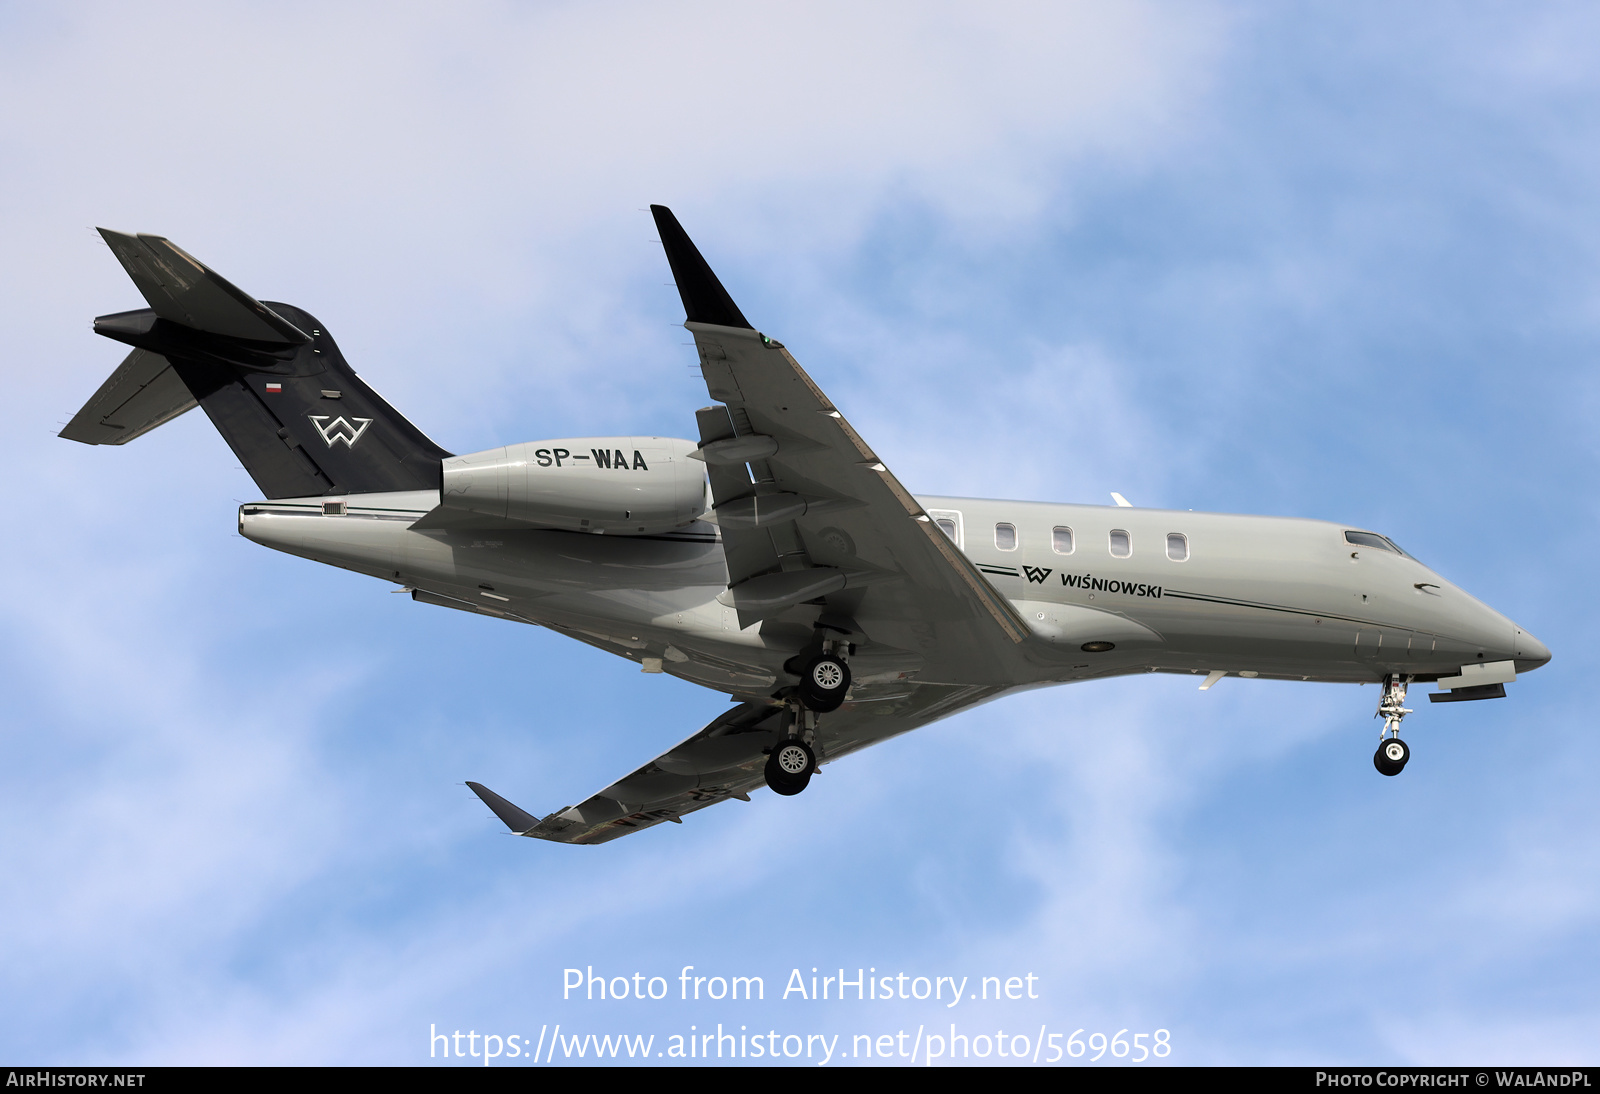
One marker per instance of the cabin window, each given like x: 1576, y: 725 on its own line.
x: 1121, y: 543
x: 1061, y: 540
x: 1005, y: 537
x: 948, y: 521
x: 1177, y: 547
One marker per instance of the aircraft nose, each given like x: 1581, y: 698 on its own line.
x: 1530, y: 652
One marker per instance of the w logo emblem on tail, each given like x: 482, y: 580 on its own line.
x: 339, y: 429
x: 1035, y: 574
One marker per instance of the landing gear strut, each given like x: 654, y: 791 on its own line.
x: 1392, y: 754
x: 824, y: 682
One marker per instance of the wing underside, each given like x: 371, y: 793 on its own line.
x: 724, y: 760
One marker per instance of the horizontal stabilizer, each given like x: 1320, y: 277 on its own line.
x: 704, y: 298
x: 143, y: 393
x: 516, y: 820
x: 181, y: 289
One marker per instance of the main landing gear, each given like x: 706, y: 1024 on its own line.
x: 824, y: 682
x: 1392, y: 754
x: 790, y: 766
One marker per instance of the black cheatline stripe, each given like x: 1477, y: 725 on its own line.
x: 1281, y: 608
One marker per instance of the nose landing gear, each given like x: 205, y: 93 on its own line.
x: 1392, y: 754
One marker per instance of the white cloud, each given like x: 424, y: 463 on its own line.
x: 418, y: 173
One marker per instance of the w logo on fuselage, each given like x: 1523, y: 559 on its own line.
x: 1035, y: 574
x: 339, y: 429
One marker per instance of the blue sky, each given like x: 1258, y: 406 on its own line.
x: 1329, y: 261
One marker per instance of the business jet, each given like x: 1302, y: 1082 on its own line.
x: 775, y: 559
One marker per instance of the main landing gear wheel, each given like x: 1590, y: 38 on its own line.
x: 789, y: 766
x: 1391, y: 757
x: 823, y: 683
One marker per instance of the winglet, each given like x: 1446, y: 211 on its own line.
x: 516, y: 820
x: 704, y: 298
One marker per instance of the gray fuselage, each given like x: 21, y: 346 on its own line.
x: 1273, y: 597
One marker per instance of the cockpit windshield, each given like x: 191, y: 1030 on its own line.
x: 1372, y: 539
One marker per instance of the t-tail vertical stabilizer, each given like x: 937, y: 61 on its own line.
x: 268, y: 376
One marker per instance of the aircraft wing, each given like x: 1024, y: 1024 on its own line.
x: 808, y: 510
x: 809, y: 516
x: 724, y: 760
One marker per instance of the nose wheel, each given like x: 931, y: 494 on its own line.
x: 1393, y: 753
x: 1391, y: 757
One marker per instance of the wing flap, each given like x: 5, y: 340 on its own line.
x: 440, y: 600
x: 143, y: 393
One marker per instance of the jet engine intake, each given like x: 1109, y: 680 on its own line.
x: 615, y: 485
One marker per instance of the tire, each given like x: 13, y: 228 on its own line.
x: 1391, y: 757
x: 824, y: 682
x: 785, y: 787
x: 789, y: 767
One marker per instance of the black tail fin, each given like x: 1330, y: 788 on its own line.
x: 268, y: 375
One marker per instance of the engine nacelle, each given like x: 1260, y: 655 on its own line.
x: 616, y: 485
